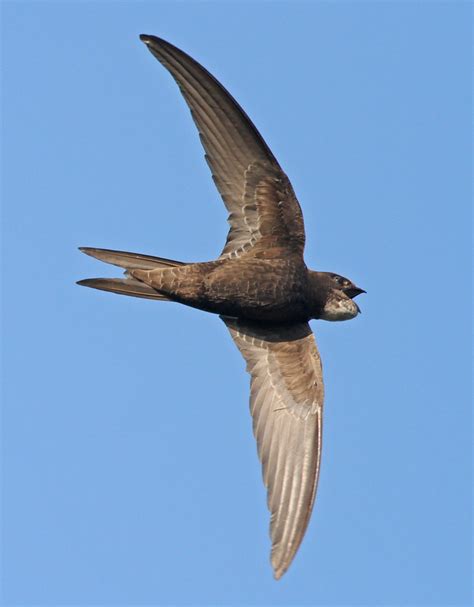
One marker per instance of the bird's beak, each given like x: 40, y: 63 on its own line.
x: 353, y: 292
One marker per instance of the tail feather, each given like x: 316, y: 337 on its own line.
x: 123, y: 286
x: 130, y: 261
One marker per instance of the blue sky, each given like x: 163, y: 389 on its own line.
x: 130, y: 473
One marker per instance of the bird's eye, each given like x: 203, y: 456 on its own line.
x: 340, y: 280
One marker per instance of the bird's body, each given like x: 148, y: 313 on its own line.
x: 254, y: 289
x: 261, y: 288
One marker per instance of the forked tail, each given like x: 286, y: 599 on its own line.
x: 128, y: 261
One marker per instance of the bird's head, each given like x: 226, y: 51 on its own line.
x: 335, y: 294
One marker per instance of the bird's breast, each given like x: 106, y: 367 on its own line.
x: 272, y: 290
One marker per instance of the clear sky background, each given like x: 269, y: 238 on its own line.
x: 130, y: 469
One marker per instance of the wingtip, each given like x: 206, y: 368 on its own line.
x: 150, y: 39
x: 155, y: 42
x: 278, y: 569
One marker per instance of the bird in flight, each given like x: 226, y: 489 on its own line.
x: 262, y: 290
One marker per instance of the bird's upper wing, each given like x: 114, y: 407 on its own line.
x: 258, y: 195
x: 286, y: 402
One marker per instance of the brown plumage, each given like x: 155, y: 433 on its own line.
x: 262, y: 289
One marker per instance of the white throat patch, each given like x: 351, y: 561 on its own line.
x: 339, y: 309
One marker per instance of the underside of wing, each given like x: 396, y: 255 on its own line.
x: 286, y: 402
x: 256, y: 192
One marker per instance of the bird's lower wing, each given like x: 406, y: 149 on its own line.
x: 286, y: 402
